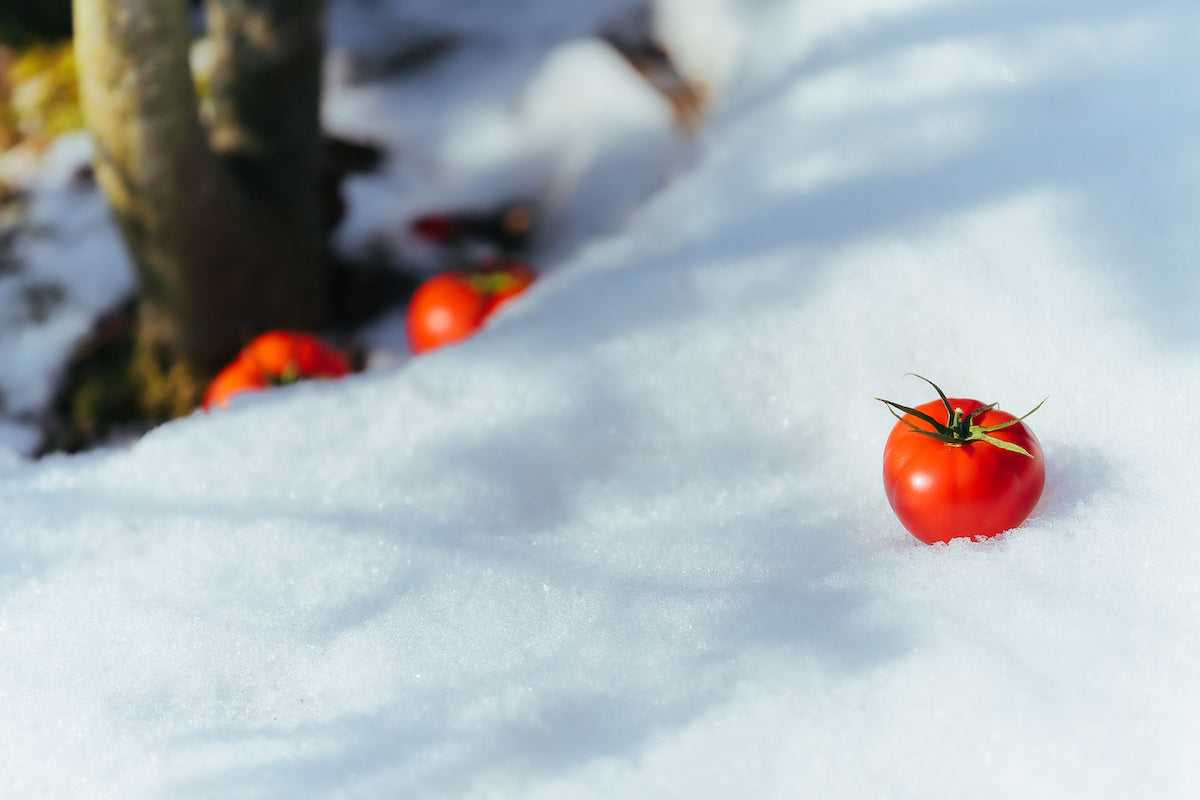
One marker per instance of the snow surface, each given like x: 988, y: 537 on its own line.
x: 631, y: 540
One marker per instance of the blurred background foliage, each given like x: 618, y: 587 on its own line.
x: 38, y: 95
x: 38, y: 98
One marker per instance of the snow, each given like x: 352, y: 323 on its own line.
x: 73, y: 260
x: 631, y: 541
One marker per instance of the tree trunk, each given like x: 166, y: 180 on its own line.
x: 222, y: 223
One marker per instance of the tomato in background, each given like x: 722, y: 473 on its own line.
x: 452, y: 306
x: 956, y: 468
x: 274, y: 359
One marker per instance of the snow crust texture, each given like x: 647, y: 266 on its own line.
x: 631, y: 541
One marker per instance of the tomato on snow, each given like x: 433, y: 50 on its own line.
x: 275, y: 358
x: 452, y: 306
x: 955, y: 468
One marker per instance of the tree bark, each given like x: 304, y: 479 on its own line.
x: 221, y: 224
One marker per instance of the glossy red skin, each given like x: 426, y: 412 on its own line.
x: 942, y: 492
x: 275, y: 358
x: 282, y: 355
x: 452, y: 306
x: 240, y: 376
x: 444, y: 310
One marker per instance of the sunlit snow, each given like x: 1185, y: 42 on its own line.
x: 631, y: 540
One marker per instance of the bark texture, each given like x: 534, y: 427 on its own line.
x: 221, y: 221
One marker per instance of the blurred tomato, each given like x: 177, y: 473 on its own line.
x: 452, y: 306
x: 275, y: 359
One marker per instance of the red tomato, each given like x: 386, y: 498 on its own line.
x: 240, y: 376
x: 452, y: 306
x: 981, y: 472
x: 445, y: 309
x: 286, y: 357
x: 273, y: 359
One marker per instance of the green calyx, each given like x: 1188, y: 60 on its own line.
x: 961, y: 428
x: 493, y: 281
x: 290, y: 375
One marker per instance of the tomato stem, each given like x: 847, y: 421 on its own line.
x: 959, y: 429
